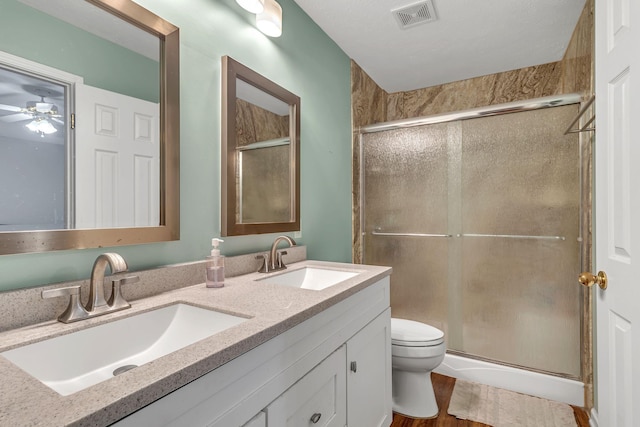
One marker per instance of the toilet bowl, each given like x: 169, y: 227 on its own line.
x: 416, y: 350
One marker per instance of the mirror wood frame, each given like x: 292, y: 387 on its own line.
x: 169, y: 228
x: 232, y: 70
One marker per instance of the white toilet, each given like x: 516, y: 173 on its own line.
x: 416, y: 350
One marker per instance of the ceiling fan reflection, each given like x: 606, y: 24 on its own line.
x: 40, y: 113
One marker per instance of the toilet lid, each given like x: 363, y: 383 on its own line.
x: 410, y: 333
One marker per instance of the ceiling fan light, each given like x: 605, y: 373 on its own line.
x: 41, y: 126
x: 253, y: 6
x: 270, y: 20
x: 46, y: 127
x: 32, y: 126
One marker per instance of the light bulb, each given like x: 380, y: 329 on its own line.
x: 32, y: 126
x: 41, y: 126
x: 46, y: 127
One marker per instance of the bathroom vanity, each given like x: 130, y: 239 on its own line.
x: 301, y: 357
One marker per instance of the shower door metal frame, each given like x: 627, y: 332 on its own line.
x: 494, y: 110
x: 474, y: 113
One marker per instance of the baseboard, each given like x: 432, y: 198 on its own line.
x: 509, y: 378
x: 593, y: 419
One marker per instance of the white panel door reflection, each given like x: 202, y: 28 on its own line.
x: 118, y: 159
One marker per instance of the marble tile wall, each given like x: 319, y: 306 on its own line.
x: 368, y: 105
x: 577, y: 76
x: 255, y: 124
x: 368, y: 100
x: 509, y: 86
x: 577, y: 64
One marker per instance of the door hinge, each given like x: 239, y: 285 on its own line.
x: 73, y: 120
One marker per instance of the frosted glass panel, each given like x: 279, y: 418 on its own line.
x: 406, y: 180
x: 521, y: 302
x: 520, y: 174
x: 406, y: 192
x: 265, y: 180
x: 506, y: 190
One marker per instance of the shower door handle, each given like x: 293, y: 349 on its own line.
x: 587, y: 279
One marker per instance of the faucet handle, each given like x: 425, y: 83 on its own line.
x: 280, y: 263
x: 265, y: 264
x: 116, y: 301
x: 75, y: 311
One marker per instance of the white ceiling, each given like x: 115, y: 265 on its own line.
x: 470, y: 38
x: 94, y: 20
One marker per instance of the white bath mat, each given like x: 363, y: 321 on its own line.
x: 503, y: 408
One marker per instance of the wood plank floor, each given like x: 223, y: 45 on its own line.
x: 443, y: 387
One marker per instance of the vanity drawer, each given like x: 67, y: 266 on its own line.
x: 318, y: 399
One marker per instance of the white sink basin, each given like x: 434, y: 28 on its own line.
x: 72, y: 362
x: 314, y: 278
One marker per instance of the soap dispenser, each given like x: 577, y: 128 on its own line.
x: 215, y: 266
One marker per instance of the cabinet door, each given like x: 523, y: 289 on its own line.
x: 318, y: 399
x: 259, y: 420
x: 369, y: 374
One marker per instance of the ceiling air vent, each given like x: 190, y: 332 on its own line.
x: 414, y: 14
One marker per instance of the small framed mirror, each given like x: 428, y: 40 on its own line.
x: 260, y: 153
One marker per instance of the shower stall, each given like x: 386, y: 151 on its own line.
x: 479, y: 213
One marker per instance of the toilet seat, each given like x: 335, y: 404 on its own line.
x: 409, y: 333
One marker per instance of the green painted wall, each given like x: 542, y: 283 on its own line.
x: 306, y: 62
x: 31, y: 34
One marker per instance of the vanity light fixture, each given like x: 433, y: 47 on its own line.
x: 41, y: 126
x: 270, y: 20
x: 253, y: 6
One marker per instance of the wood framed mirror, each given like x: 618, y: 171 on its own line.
x: 110, y: 47
x: 260, y: 154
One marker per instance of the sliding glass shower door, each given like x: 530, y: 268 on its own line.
x: 480, y: 221
x: 406, y: 192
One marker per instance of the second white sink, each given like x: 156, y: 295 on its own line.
x: 72, y: 362
x: 314, y: 278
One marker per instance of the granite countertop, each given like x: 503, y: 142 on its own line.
x: 271, y: 309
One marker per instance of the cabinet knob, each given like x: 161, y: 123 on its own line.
x: 354, y: 366
x: 316, y: 417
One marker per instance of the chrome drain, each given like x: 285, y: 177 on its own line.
x: 123, y: 369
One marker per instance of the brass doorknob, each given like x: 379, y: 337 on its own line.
x: 588, y: 279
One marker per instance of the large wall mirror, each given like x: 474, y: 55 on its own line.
x: 89, y: 125
x: 260, y: 153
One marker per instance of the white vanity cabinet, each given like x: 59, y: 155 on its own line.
x: 369, y: 374
x: 333, y: 369
x: 260, y: 420
x: 318, y: 399
x: 350, y: 387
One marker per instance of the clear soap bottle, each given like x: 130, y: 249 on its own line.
x: 215, y: 266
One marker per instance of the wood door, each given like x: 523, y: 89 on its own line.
x: 617, y: 203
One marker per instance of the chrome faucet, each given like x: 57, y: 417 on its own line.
x: 96, y: 301
x: 275, y: 259
x: 97, y: 305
